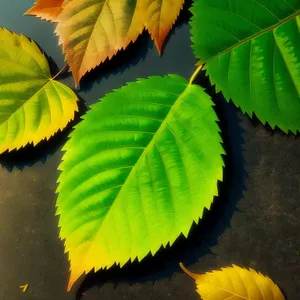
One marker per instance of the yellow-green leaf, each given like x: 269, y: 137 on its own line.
x: 235, y: 283
x: 138, y: 171
x: 33, y: 106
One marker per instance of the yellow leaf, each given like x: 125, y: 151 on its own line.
x: 235, y: 283
x: 33, y: 106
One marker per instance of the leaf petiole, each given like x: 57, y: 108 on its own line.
x: 61, y: 71
x: 195, y: 74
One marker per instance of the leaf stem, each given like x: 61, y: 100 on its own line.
x: 62, y: 70
x: 185, y: 270
x: 195, y: 74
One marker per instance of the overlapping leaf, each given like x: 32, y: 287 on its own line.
x: 252, y: 54
x: 46, y: 9
x: 137, y: 172
x: 91, y: 31
x: 33, y: 106
x: 235, y: 283
x: 159, y: 17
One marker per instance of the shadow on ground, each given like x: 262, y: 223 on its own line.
x: 30, y: 155
x: 131, y: 56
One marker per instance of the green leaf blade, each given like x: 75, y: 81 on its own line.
x: 150, y: 165
x: 260, y: 70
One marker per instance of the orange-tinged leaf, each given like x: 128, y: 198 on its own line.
x: 235, y: 283
x: 160, y: 16
x: 93, y: 30
x: 46, y: 9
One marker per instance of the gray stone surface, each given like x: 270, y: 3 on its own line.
x: 254, y: 223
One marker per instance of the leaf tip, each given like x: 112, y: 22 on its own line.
x: 76, y: 79
x: 70, y: 285
x: 73, y: 278
x: 159, y: 46
x: 28, y: 12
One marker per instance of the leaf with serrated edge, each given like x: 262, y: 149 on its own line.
x: 33, y: 106
x: 160, y: 16
x: 252, y: 55
x: 46, y: 9
x: 235, y: 283
x: 92, y: 31
x: 137, y: 172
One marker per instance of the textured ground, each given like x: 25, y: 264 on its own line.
x: 255, y: 222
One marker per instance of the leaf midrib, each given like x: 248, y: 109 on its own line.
x: 225, y: 290
x: 48, y: 80
x: 93, y: 30
x: 292, y: 16
x: 132, y: 171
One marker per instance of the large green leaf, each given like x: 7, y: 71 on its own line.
x: 33, y: 106
x: 138, y: 170
x: 252, y: 53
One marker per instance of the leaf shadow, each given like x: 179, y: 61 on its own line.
x: 124, y: 59
x: 258, y: 124
x: 131, y: 56
x: 214, y: 222
x: 30, y: 155
x: 184, y: 17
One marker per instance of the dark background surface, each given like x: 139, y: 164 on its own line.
x: 255, y: 222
